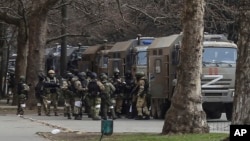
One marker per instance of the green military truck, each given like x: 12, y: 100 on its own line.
x: 95, y: 58
x: 129, y: 55
x: 218, y: 74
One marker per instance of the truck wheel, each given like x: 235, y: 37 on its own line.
x: 164, y: 108
x: 229, y: 111
x: 214, y: 115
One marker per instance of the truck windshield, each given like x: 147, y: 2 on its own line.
x: 219, y: 55
x: 142, y: 58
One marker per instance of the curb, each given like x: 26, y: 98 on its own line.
x: 52, y: 125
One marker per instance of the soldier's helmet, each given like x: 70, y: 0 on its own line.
x: 139, y: 74
x: 93, y: 75
x: 128, y: 74
x: 116, y: 72
x: 82, y: 75
x: 101, y: 74
x: 41, y: 76
x: 69, y: 75
x: 22, y: 78
x: 51, y: 73
x: 88, y: 73
x: 103, y: 77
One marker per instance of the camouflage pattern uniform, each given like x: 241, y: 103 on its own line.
x: 51, y: 98
x: 22, y: 91
x: 106, y: 98
x: 39, y: 92
x: 67, y: 95
x: 81, y: 91
x: 95, y: 88
x: 11, y: 86
x: 140, y: 97
x: 87, y: 97
x: 119, y: 92
x: 129, y: 106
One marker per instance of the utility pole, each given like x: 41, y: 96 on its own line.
x: 63, y: 57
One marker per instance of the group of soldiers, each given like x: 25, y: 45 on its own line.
x: 99, y: 96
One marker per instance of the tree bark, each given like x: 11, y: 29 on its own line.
x: 241, y: 109
x: 37, y: 35
x: 37, y: 22
x: 186, y: 114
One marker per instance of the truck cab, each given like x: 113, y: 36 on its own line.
x: 217, y: 80
x: 95, y: 58
x: 218, y: 77
x: 129, y: 55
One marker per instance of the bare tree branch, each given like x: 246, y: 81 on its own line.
x: 23, y: 13
x: 66, y: 35
x: 4, y: 16
x: 146, y: 14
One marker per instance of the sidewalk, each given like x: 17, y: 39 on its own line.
x: 120, y: 125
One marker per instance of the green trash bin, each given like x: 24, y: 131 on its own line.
x: 107, y: 127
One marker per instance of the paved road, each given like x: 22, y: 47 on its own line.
x: 120, y: 125
x: 13, y: 128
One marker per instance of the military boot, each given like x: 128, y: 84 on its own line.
x: 139, y: 117
x: 147, y: 117
x: 105, y: 114
x: 113, y: 114
x: 69, y: 116
x: 96, y: 114
x: 39, y: 109
x: 118, y: 115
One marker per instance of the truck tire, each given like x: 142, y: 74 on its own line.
x: 214, y: 115
x: 229, y: 111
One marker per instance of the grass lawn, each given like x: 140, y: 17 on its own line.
x: 133, y: 137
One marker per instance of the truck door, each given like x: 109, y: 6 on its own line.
x: 115, y: 63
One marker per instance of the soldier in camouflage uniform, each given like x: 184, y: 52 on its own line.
x: 11, y: 86
x: 87, y: 97
x: 22, y: 92
x: 81, y: 91
x: 119, y: 92
x: 51, y: 84
x: 95, y: 88
x: 67, y: 95
x: 39, y: 92
x: 106, y: 98
x: 140, y: 96
x: 129, y: 106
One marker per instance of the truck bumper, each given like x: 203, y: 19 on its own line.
x: 221, y: 96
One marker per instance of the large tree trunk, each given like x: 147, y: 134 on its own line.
x: 241, y: 108
x: 37, y: 41
x: 186, y: 114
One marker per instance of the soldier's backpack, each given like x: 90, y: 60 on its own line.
x: 93, y: 88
